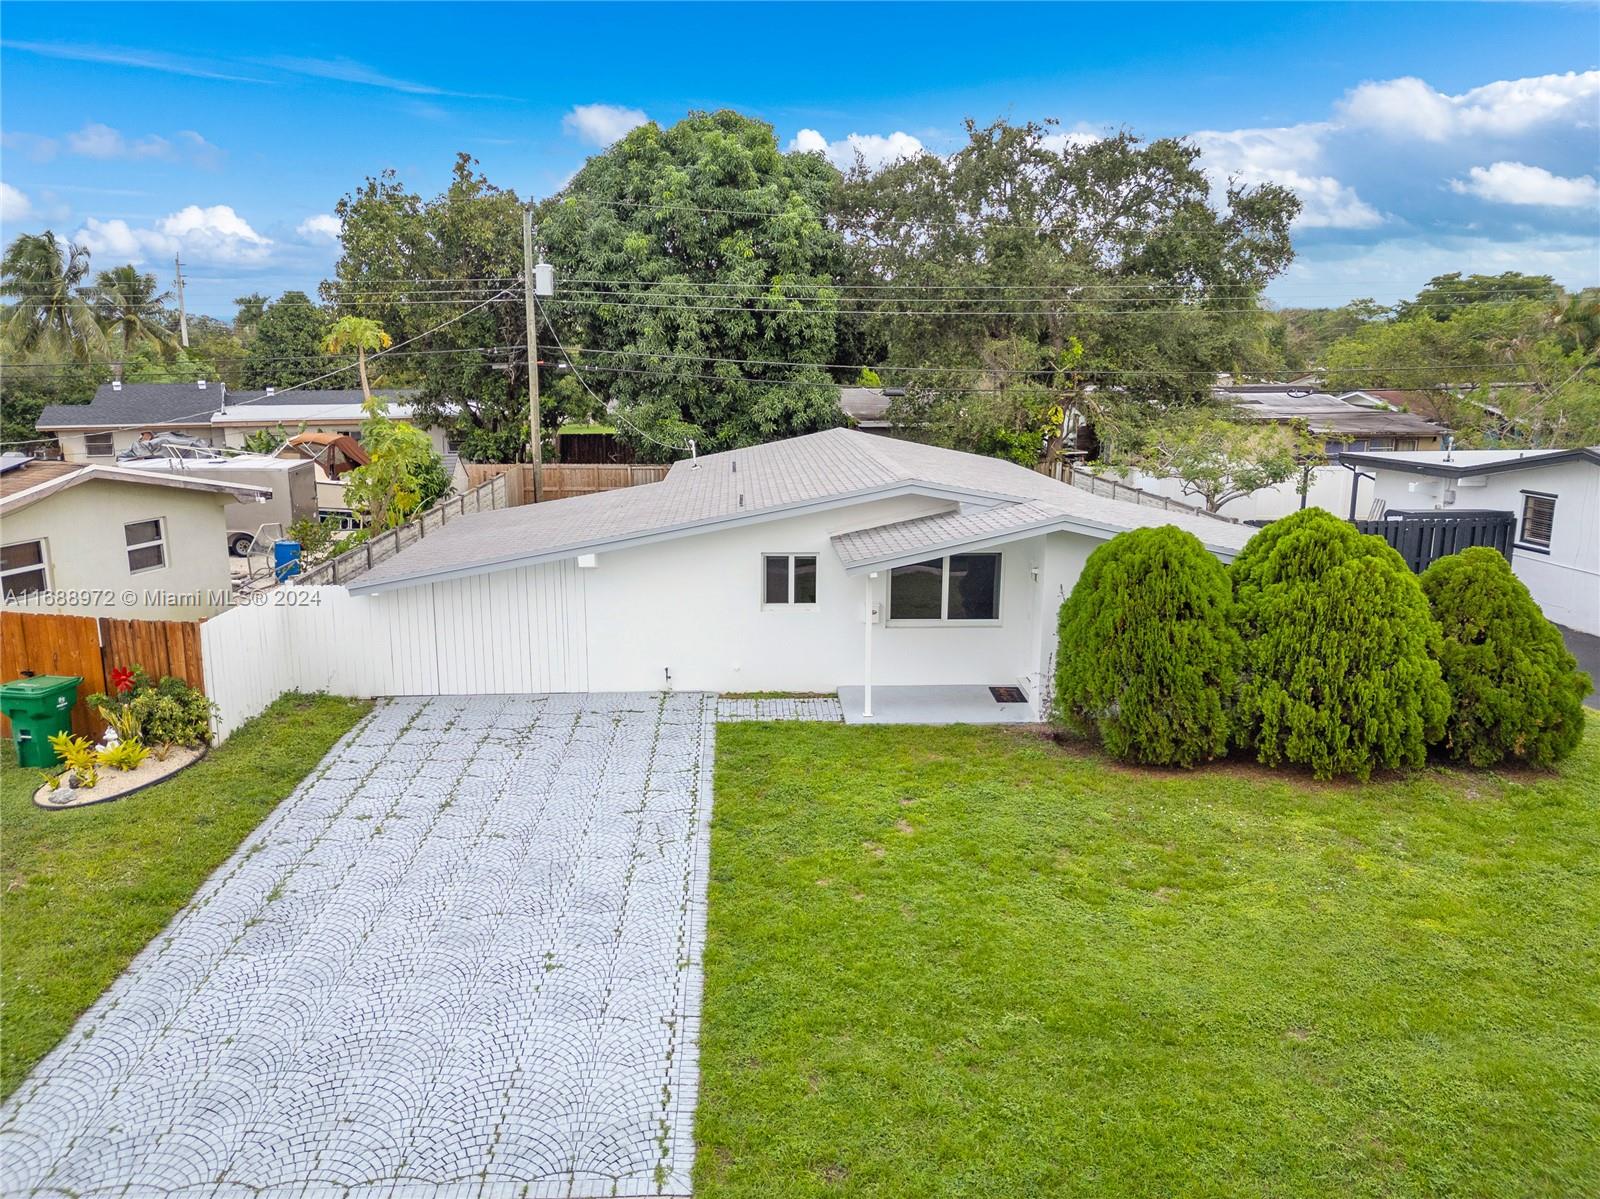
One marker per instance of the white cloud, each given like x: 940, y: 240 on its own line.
x: 14, y: 204
x: 1288, y: 156
x: 40, y: 149
x: 99, y: 141
x: 215, y: 235
x: 1518, y: 183
x: 602, y: 124
x: 875, y: 149
x: 102, y: 141
x: 1075, y: 138
x: 1409, y: 107
x: 322, y: 227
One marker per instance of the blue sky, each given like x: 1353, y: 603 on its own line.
x: 1423, y: 138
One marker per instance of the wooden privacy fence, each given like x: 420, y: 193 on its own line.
x: 92, y: 647
x: 348, y: 565
x: 564, y: 480
x: 1424, y: 537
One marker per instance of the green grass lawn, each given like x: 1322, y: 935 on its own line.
x: 970, y: 962
x: 85, y: 890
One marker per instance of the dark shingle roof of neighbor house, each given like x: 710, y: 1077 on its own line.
x: 180, y: 404
x: 787, y: 478
x: 1459, y: 464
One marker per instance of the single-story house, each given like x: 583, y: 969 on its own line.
x: 120, y: 412
x: 1554, y: 495
x: 1355, y: 420
x: 95, y: 540
x: 837, y: 559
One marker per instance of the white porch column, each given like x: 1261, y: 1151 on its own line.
x: 866, y: 669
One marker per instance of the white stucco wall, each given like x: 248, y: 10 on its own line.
x: 1566, y: 580
x: 86, y: 549
x: 1330, y: 489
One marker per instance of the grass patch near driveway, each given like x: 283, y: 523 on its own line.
x: 965, y: 961
x: 84, y: 890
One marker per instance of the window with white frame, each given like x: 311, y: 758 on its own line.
x: 788, y: 578
x: 957, y: 588
x: 147, y: 548
x: 22, y: 568
x: 1538, y: 519
x: 99, y: 445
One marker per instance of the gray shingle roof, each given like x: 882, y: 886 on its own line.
x: 1325, y: 413
x: 828, y: 469
x: 180, y: 403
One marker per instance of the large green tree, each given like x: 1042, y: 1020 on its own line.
x: 696, y: 266
x: 287, y: 349
x: 1115, y: 244
x: 445, y: 271
x: 48, y: 316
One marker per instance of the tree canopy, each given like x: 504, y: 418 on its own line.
x: 287, y: 349
x: 697, y: 266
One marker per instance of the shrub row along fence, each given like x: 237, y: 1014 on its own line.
x: 1095, y: 484
x: 91, y: 648
x: 1422, y: 538
x: 563, y: 481
x: 485, y: 497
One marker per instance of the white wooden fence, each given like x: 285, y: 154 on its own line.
x: 512, y: 631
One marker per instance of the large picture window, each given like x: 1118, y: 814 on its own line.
x: 961, y: 587
x: 22, y: 569
x: 789, y: 578
x: 147, y: 549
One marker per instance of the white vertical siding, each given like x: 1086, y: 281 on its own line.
x: 518, y: 630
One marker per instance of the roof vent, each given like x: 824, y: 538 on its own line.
x: 202, y: 384
x: 116, y: 385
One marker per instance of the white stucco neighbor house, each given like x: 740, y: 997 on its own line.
x: 838, y: 560
x: 94, y: 540
x: 1553, y: 494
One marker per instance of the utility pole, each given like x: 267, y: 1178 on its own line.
x: 535, y: 441
x: 183, y: 319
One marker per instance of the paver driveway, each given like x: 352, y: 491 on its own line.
x: 462, y: 959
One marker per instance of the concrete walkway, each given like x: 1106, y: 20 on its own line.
x: 463, y: 959
x: 932, y: 705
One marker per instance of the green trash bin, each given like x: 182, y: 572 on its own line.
x: 38, y: 709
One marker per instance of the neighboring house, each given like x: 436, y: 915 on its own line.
x: 1554, y: 495
x: 755, y: 570
x: 96, y: 540
x: 290, y: 485
x: 868, y: 408
x: 120, y: 412
x: 1356, y: 420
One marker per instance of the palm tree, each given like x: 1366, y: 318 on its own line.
x: 127, y: 302
x: 361, y: 335
x: 50, y: 316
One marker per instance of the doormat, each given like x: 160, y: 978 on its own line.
x: 1008, y: 695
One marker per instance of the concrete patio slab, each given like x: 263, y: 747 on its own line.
x: 932, y: 705
x: 463, y: 958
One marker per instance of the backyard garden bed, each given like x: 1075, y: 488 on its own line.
x: 969, y: 961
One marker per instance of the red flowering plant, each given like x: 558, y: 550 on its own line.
x: 160, y: 714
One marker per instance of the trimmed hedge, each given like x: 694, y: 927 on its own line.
x: 1146, y: 654
x: 1515, y: 690
x: 1338, y: 666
